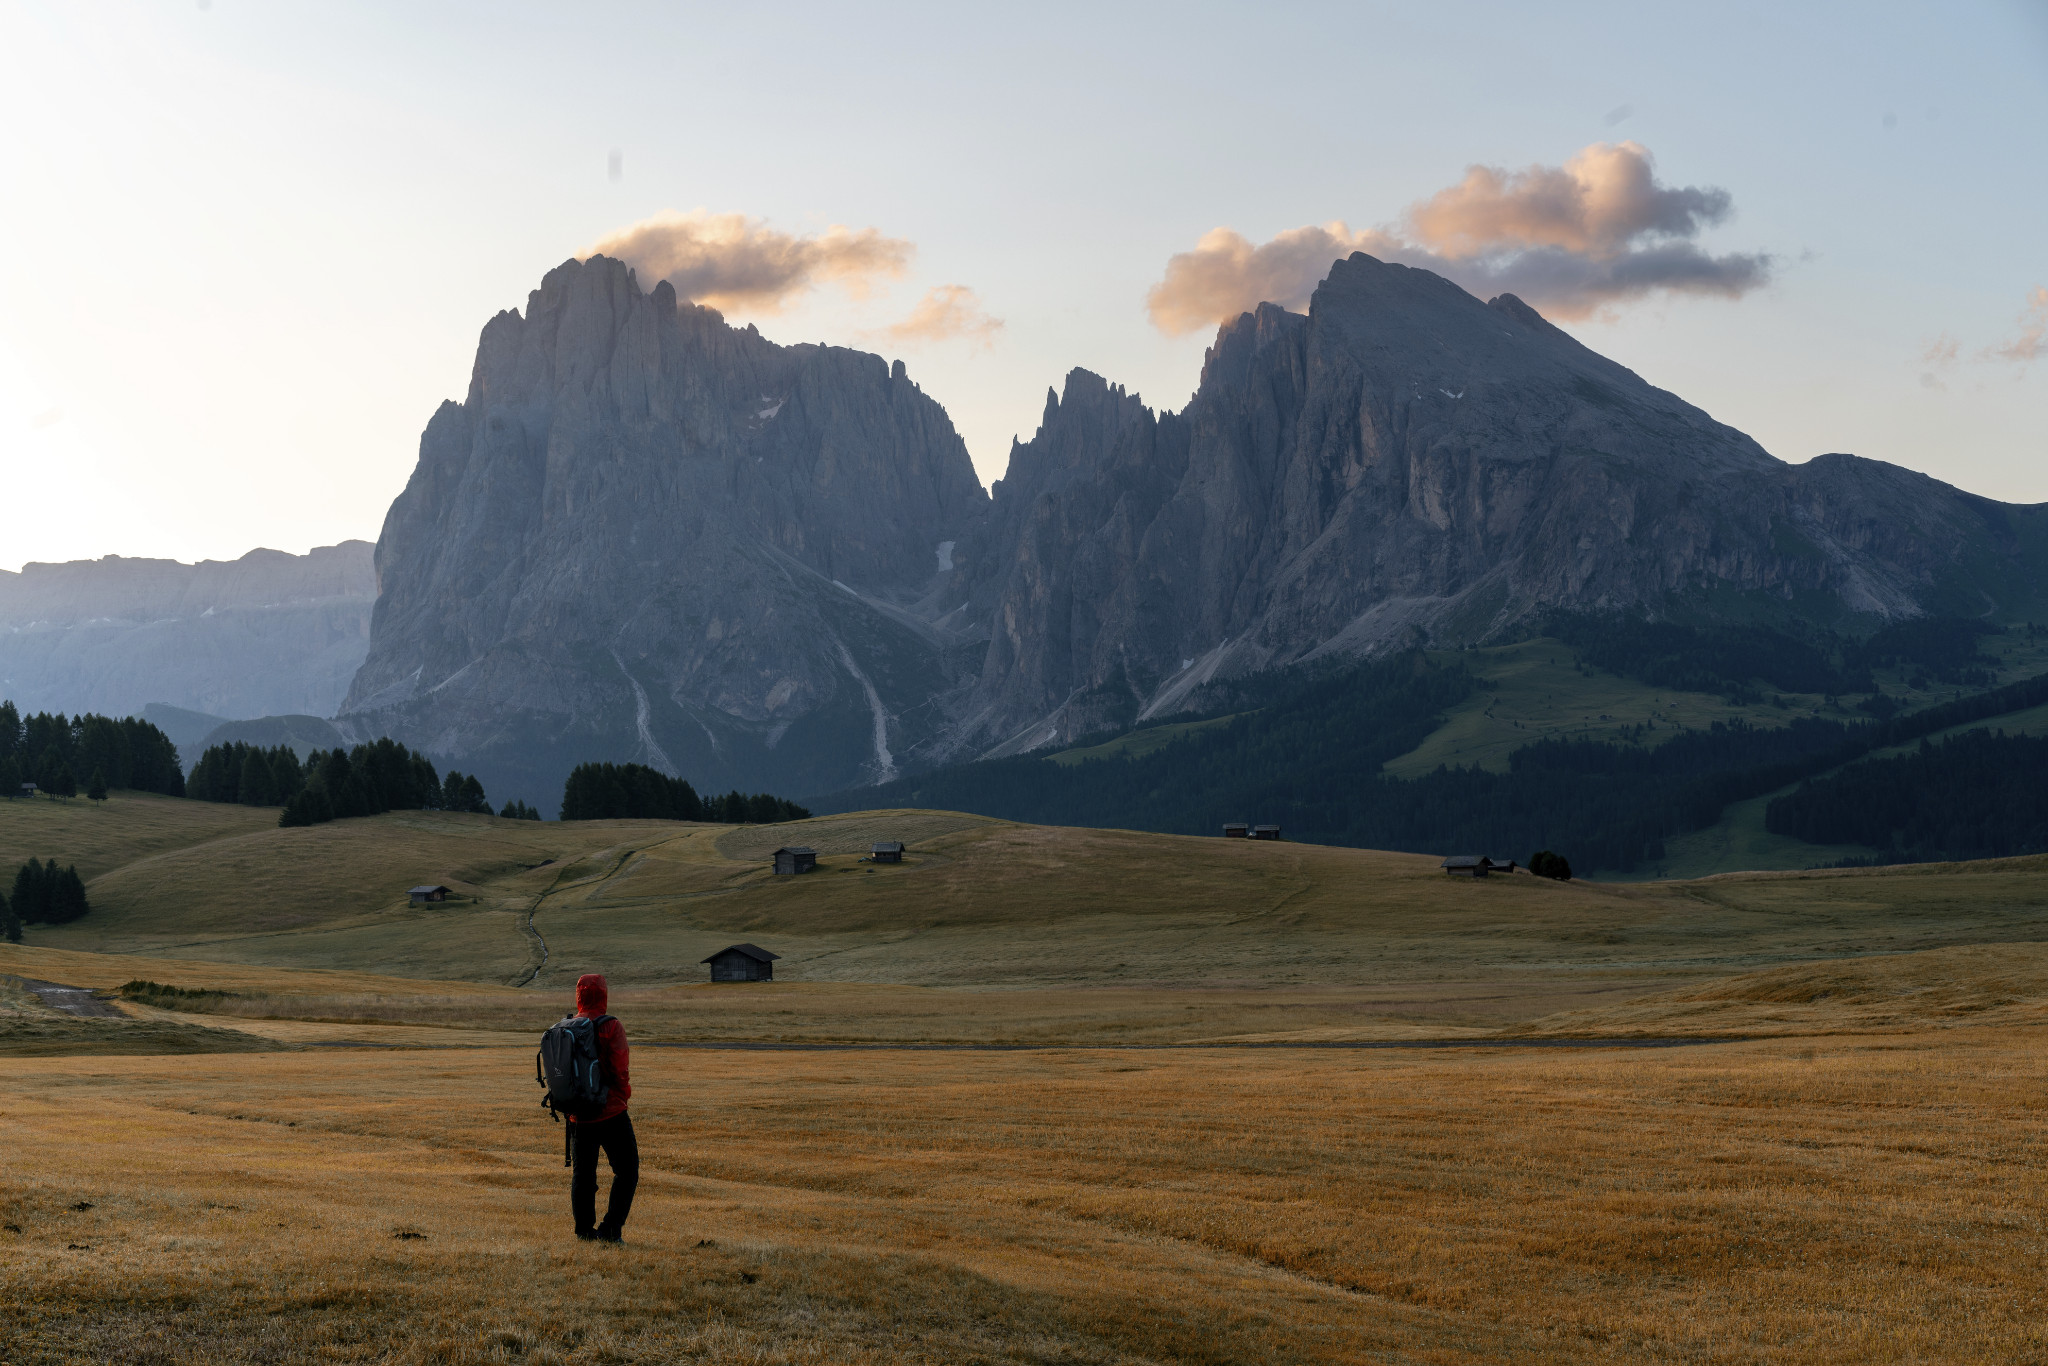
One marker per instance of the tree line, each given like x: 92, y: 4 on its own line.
x: 1982, y: 794
x: 367, y: 780
x: 605, y: 791
x: 374, y: 778
x: 1711, y: 659
x: 386, y: 776
x: 1731, y: 659
x: 43, y: 894
x: 58, y: 753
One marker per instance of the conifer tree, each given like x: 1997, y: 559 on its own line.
x: 254, y: 787
x: 286, y: 777
x: 96, y: 790
x: 10, y: 923
x: 66, y: 894
x: 309, y: 807
x: 28, y: 898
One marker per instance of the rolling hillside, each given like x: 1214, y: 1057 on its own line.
x: 977, y: 903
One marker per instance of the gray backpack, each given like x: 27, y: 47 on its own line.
x: 571, y: 1069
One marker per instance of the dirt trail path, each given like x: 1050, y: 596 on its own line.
x: 628, y: 854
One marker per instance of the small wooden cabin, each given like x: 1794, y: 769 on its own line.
x: 28, y: 789
x: 743, y: 963
x: 1236, y: 830
x: 422, y: 895
x: 1467, y: 865
x: 796, y: 859
x: 888, y: 851
x: 1265, y: 832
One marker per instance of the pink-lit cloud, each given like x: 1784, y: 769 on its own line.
x: 741, y: 265
x: 946, y: 313
x: 2032, y: 342
x: 1227, y: 274
x: 1570, y: 240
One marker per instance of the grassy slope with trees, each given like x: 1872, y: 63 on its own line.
x: 1982, y: 794
x: 1590, y: 772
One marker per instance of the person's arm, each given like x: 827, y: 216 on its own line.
x: 616, y: 1059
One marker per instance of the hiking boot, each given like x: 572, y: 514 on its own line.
x: 608, y: 1235
x: 584, y: 1235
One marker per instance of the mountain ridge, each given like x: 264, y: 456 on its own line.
x: 1406, y: 464
x: 645, y: 535
x: 265, y: 632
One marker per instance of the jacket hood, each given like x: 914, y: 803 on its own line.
x: 591, y: 994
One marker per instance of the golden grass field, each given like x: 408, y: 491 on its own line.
x: 1846, y: 1200
x: 336, y: 1154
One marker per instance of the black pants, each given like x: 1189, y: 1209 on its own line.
x: 615, y: 1137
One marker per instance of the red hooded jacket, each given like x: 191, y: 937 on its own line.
x: 591, y: 997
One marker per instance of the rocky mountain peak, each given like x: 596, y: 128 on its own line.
x: 648, y: 535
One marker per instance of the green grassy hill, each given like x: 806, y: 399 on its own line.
x: 102, y: 836
x: 1537, y: 690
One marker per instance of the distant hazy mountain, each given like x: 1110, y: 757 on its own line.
x: 647, y: 535
x: 266, y: 633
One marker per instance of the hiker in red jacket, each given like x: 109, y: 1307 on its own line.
x: 610, y: 1129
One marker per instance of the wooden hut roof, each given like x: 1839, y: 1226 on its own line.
x: 798, y: 849
x: 427, y: 891
x: 759, y: 955
x: 1467, y: 861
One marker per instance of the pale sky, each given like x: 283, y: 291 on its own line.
x: 245, y: 250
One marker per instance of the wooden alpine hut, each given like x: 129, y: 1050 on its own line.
x: 1467, y: 865
x: 1236, y: 830
x: 1265, y: 832
x: 743, y: 963
x: 800, y: 858
x: 422, y: 895
x: 888, y: 851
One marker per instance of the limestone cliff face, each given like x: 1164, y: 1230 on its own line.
x: 269, y: 632
x: 1404, y: 464
x: 645, y: 535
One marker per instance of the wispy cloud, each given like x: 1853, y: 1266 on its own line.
x: 1570, y: 240
x: 1939, y: 359
x: 739, y: 264
x: 946, y: 313
x: 2032, y: 342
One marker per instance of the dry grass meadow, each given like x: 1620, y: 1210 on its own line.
x: 1847, y: 1200
x: 1156, y: 1147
